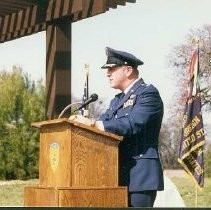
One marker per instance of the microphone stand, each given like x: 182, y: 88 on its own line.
x: 67, y: 107
x: 85, y: 112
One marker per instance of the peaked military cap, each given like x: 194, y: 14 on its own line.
x: 119, y: 58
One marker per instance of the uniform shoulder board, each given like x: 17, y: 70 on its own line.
x: 146, y: 85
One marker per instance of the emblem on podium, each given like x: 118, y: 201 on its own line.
x: 54, y: 156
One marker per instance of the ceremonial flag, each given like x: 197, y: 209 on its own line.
x: 193, y: 139
x: 85, y: 97
x: 86, y: 85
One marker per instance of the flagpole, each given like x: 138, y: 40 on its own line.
x: 87, y: 80
x: 86, y: 92
x: 191, y: 151
x: 196, y: 195
x: 197, y: 86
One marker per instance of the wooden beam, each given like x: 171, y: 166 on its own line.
x: 58, y: 65
x: 34, y: 14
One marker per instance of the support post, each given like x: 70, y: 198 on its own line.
x: 58, y: 67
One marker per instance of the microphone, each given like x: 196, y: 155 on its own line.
x: 91, y: 99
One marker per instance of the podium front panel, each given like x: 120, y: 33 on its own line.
x: 73, y: 156
x: 94, y: 159
x: 55, y: 156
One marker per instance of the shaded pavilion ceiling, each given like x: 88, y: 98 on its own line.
x: 19, y: 18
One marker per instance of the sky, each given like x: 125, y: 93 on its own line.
x: 149, y: 29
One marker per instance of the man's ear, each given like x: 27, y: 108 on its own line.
x: 129, y: 71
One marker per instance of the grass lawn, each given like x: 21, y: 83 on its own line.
x: 187, y: 190
x: 11, y: 193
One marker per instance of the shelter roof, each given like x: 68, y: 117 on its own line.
x: 19, y: 18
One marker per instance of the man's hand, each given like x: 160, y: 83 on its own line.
x: 82, y: 119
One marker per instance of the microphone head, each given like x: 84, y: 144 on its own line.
x: 94, y: 97
x: 91, y: 99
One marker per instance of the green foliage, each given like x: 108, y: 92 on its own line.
x: 21, y: 103
x: 207, y: 160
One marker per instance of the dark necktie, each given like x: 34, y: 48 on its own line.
x: 121, y: 96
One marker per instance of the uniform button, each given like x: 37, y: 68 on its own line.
x: 126, y: 114
x: 115, y: 116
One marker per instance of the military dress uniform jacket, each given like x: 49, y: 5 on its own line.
x: 137, y: 117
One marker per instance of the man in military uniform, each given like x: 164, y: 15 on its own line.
x: 136, y: 114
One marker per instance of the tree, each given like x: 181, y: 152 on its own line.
x: 169, y: 144
x: 21, y: 103
x: 179, y: 59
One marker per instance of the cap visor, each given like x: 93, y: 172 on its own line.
x: 106, y: 66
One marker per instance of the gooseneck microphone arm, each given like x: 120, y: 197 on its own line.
x: 67, y: 107
x: 91, y: 99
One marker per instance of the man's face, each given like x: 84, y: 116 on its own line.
x: 117, y: 77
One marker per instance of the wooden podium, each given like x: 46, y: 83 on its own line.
x: 78, y: 167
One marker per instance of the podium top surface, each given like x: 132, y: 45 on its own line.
x: 66, y: 121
